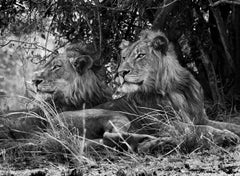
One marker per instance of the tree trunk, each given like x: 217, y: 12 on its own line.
x: 212, y: 78
x: 236, y: 44
x: 223, y: 35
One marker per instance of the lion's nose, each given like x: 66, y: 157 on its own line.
x: 36, y: 82
x: 123, y: 73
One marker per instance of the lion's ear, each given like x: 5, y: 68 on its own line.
x: 160, y: 43
x: 82, y: 64
x: 124, y: 44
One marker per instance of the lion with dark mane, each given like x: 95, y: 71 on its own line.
x: 66, y: 81
x: 69, y: 80
x: 151, y: 78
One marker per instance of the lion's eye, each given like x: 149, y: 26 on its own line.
x: 56, y: 67
x: 141, y: 55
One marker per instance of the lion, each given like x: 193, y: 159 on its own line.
x: 66, y: 81
x: 70, y: 82
x: 151, y: 79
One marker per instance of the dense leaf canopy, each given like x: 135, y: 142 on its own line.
x: 205, y: 33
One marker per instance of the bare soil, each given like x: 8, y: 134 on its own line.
x: 217, y: 161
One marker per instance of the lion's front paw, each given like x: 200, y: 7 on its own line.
x: 226, y: 138
x: 162, y: 145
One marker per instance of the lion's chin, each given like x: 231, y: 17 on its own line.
x: 127, y: 88
x: 44, y: 95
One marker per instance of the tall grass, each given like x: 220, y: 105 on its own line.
x: 60, y: 144
x: 58, y: 139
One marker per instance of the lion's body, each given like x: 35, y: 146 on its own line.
x: 152, y: 80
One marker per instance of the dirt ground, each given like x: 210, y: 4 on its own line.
x: 217, y: 161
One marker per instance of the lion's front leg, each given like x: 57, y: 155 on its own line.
x: 143, y: 143
x: 188, y: 134
x: 207, y: 134
x: 100, y: 127
x: 224, y: 125
x: 122, y: 142
x: 217, y: 136
x: 126, y: 141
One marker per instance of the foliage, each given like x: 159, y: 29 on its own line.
x: 202, y: 31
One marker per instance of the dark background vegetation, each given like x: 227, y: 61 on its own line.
x: 206, y: 34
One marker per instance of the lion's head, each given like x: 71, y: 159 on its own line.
x: 149, y: 71
x: 68, y: 80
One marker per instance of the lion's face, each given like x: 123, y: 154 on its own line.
x: 140, y: 64
x: 53, y: 80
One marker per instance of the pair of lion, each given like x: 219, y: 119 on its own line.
x: 151, y: 79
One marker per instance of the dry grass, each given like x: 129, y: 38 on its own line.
x: 57, y: 145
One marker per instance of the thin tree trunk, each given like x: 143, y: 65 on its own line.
x: 236, y: 44
x: 223, y: 35
x: 236, y: 22
x: 216, y: 94
x: 2, y: 92
x: 164, y: 10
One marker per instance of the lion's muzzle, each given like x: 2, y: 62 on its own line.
x: 36, y: 82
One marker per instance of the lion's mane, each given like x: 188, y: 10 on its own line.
x: 88, y: 89
x: 84, y: 87
x: 170, y: 83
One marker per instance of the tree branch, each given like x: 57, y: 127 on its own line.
x: 162, y: 13
x: 29, y: 43
x: 99, y: 49
x: 236, y: 2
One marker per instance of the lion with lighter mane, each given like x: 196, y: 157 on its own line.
x: 150, y: 69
